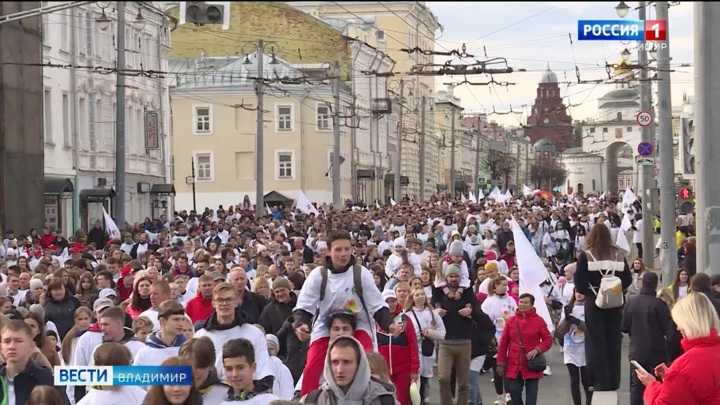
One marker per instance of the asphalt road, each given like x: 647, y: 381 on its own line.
x: 554, y: 389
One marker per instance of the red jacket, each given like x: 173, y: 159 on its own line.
x: 47, y: 240
x: 199, y: 308
x: 535, y: 334
x: 405, y: 355
x: 693, y: 378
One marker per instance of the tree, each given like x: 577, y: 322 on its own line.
x: 500, y: 165
x: 547, y: 172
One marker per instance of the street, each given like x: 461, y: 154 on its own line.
x: 554, y: 389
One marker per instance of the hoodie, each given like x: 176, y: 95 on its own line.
x: 362, y: 391
x: 199, y: 308
x: 221, y: 334
x: 156, y: 351
x: 213, y: 391
x: 261, y: 395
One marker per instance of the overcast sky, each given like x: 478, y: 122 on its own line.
x: 531, y: 34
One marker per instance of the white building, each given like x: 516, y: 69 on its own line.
x: 79, y: 115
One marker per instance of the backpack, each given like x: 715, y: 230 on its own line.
x: 357, y: 288
x: 610, y: 293
x: 314, y: 396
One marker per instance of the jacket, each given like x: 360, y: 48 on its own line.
x: 457, y: 327
x: 400, y: 352
x: 62, y: 312
x: 483, y: 331
x: 252, y: 306
x: 292, y: 351
x: 199, y: 308
x: 693, y: 379
x: 275, y: 313
x: 535, y: 335
x: 27, y: 380
x: 646, y: 320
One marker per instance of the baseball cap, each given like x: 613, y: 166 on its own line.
x: 216, y: 276
x: 102, y: 303
x: 107, y: 292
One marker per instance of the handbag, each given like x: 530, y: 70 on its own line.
x: 427, y: 346
x: 537, y: 363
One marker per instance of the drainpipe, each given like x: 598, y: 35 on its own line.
x: 74, y: 113
x: 302, y: 140
x: 164, y: 139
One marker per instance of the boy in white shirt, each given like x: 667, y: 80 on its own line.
x: 239, y: 364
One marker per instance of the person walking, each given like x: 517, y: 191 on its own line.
x: 524, y: 337
x: 572, y: 329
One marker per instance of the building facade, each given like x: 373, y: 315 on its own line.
x: 448, y: 115
x: 549, y: 119
x: 80, y: 115
x: 215, y: 128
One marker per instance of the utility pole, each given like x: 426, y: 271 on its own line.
x: 646, y: 136
x: 259, y: 141
x: 707, y: 144
x: 398, y: 166
x: 378, y: 178
x: 667, y: 162
x: 192, y: 168
x: 452, y: 153
x: 422, y: 150
x: 120, y: 119
x: 337, y: 198
x: 478, y: 145
x: 375, y: 151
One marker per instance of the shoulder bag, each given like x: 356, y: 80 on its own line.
x: 427, y: 346
x: 537, y: 363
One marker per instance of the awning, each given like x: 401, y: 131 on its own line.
x: 58, y: 186
x: 275, y: 197
x: 97, y: 194
x: 162, y: 189
x: 390, y: 178
x: 365, y: 174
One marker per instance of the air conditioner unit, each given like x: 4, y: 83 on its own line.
x: 205, y: 12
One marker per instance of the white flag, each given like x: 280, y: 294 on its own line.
x: 532, y: 272
x: 472, y: 198
x: 602, y: 196
x: 481, y: 196
x: 527, y: 191
x: 267, y: 207
x: 626, y: 223
x: 462, y: 198
x: 629, y: 197
x: 377, y: 205
x: 304, y: 204
x: 495, y: 193
x: 392, y: 202
x: 111, y: 227
x: 622, y: 241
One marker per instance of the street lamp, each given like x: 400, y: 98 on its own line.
x: 622, y: 9
x: 625, y: 55
x: 103, y: 22
x: 140, y: 21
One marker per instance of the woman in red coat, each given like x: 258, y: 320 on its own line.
x: 512, y: 359
x: 694, y: 377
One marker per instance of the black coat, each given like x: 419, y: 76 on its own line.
x: 483, y: 331
x: 252, y: 306
x: 27, y: 380
x: 62, y: 312
x: 646, y: 319
x: 293, y: 352
x: 274, y: 314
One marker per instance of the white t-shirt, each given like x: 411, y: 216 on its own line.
x: 124, y: 396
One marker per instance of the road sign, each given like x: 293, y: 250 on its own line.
x: 645, y: 161
x: 644, y: 118
x: 189, y: 180
x: 645, y: 149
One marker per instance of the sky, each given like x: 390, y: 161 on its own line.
x: 531, y: 35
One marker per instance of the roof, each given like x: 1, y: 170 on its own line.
x: 549, y: 76
x: 618, y: 104
x: 54, y: 186
x: 274, y: 196
x: 621, y: 94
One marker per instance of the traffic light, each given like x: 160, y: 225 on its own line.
x: 685, y: 193
x: 201, y: 12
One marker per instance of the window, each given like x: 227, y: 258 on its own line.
x: 284, y: 118
x: 628, y: 129
x: 81, y: 34
x: 285, y: 169
x: 47, y: 118
x: 89, y: 33
x: 324, y: 117
x: 140, y: 120
x: 204, y: 170
x: 203, y: 120
x: 82, y: 123
x: 380, y: 35
x: 592, y: 130
x: 65, y: 27
x: 619, y: 116
x: 66, y: 119
x: 605, y: 130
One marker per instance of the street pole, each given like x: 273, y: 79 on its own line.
x: 707, y: 143
x: 646, y: 136
x: 378, y: 178
x: 478, y: 144
x: 667, y: 167
x: 452, y: 154
x: 259, y: 144
x: 422, y: 150
x: 192, y: 166
x: 373, y: 120
x: 120, y: 120
x: 337, y: 199
x: 398, y: 166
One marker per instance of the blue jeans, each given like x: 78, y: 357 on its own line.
x: 515, y: 388
x: 475, y: 398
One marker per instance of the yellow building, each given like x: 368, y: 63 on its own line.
x: 447, y: 108
x: 215, y: 125
x: 399, y: 25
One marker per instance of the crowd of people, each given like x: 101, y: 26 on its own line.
x: 357, y: 306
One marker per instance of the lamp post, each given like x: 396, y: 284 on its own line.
x: 400, y: 85
x: 103, y: 22
x: 256, y: 71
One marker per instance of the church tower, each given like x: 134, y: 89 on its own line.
x: 549, y: 120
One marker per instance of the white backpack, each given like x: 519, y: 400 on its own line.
x: 610, y: 294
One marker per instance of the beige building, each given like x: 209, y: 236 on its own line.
x: 215, y: 127
x: 447, y: 108
x: 400, y: 25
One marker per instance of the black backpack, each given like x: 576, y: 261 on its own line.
x: 358, y: 288
x: 314, y: 396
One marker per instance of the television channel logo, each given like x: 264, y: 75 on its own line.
x: 622, y: 30
x: 123, y: 375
